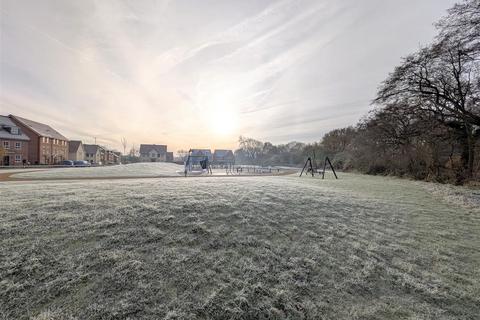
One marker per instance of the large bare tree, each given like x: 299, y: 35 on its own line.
x: 124, y: 145
x: 443, y: 79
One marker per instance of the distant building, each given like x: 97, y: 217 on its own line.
x: 169, y: 156
x: 112, y: 157
x: 47, y: 146
x: 118, y: 156
x: 13, y: 143
x: 94, y: 153
x: 223, y: 157
x: 76, y: 150
x: 153, y: 153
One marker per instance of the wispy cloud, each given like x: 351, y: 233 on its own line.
x: 168, y: 71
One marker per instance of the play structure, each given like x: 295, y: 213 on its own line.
x: 312, y: 168
x: 196, y: 163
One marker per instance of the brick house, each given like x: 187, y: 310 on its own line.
x: 112, y: 157
x: 13, y: 143
x: 76, y: 150
x: 153, y: 153
x: 117, y: 156
x: 47, y: 145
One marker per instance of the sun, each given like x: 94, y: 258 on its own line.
x: 223, y: 122
x: 221, y: 114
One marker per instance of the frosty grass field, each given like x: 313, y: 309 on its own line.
x: 130, y: 170
x: 280, y: 247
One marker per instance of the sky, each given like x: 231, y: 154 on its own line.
x: 198, y: 74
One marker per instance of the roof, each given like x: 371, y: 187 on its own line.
x: 201, y: 151
x: 73, y: 145
x: 41, y: 129
x: 7, y: 122
x: 91, y: 148
x: 220, y: 153
x: 159, y: 148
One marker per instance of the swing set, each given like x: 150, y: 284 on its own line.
x: 312, y: 167
x: 196, y: 163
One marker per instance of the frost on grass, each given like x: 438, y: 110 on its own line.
x: 126, y: 170
x: 156, y: 169
x: 236, y: 248
x: 468, y: 197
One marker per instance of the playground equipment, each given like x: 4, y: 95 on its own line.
x: 196, y: 163
x: 230, y: 169
x: 313, y: 168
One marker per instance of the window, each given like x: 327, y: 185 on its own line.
x: 14, y: 130
x: 6, y: 144
x: 18, y: 158
x: 18, y: 145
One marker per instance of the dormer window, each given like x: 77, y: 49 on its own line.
x: 14, y: 130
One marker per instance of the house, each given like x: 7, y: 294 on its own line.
x: 117, y: 156
x: 112, y: 157
x: 222, y: 157
x: 76, y: 150
x: 94, y: 153
x: 153, y: 153
x: 13, y: 143
x: 46, y: 146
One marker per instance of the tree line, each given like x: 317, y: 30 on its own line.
x: 425, y: 121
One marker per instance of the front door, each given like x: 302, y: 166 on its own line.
x: 6, y: 161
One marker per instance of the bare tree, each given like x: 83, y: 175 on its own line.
x: 182, y: 153
x: 124, y: 144
x: 133, y: 151
x: 251, y: 148
x: 443, y: 80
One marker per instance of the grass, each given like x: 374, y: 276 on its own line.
x: 237, y: 248
x: 133, y: 170
x: 126, y: 170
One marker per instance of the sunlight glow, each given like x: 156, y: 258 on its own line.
x: 223, y: 122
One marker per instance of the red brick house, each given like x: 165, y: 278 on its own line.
x: 47, y: 145
x: 13, y: 143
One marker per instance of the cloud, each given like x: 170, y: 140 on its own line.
x: 167, y: 71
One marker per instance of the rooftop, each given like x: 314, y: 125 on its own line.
x: 159, y: 148
x: 73, y: 145
x: 41, y: 129
x: 6, y: 122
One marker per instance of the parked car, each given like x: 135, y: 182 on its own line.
x: 81, y: 163
x: 67, y: 163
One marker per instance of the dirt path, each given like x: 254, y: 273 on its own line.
x: 8, y: 177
